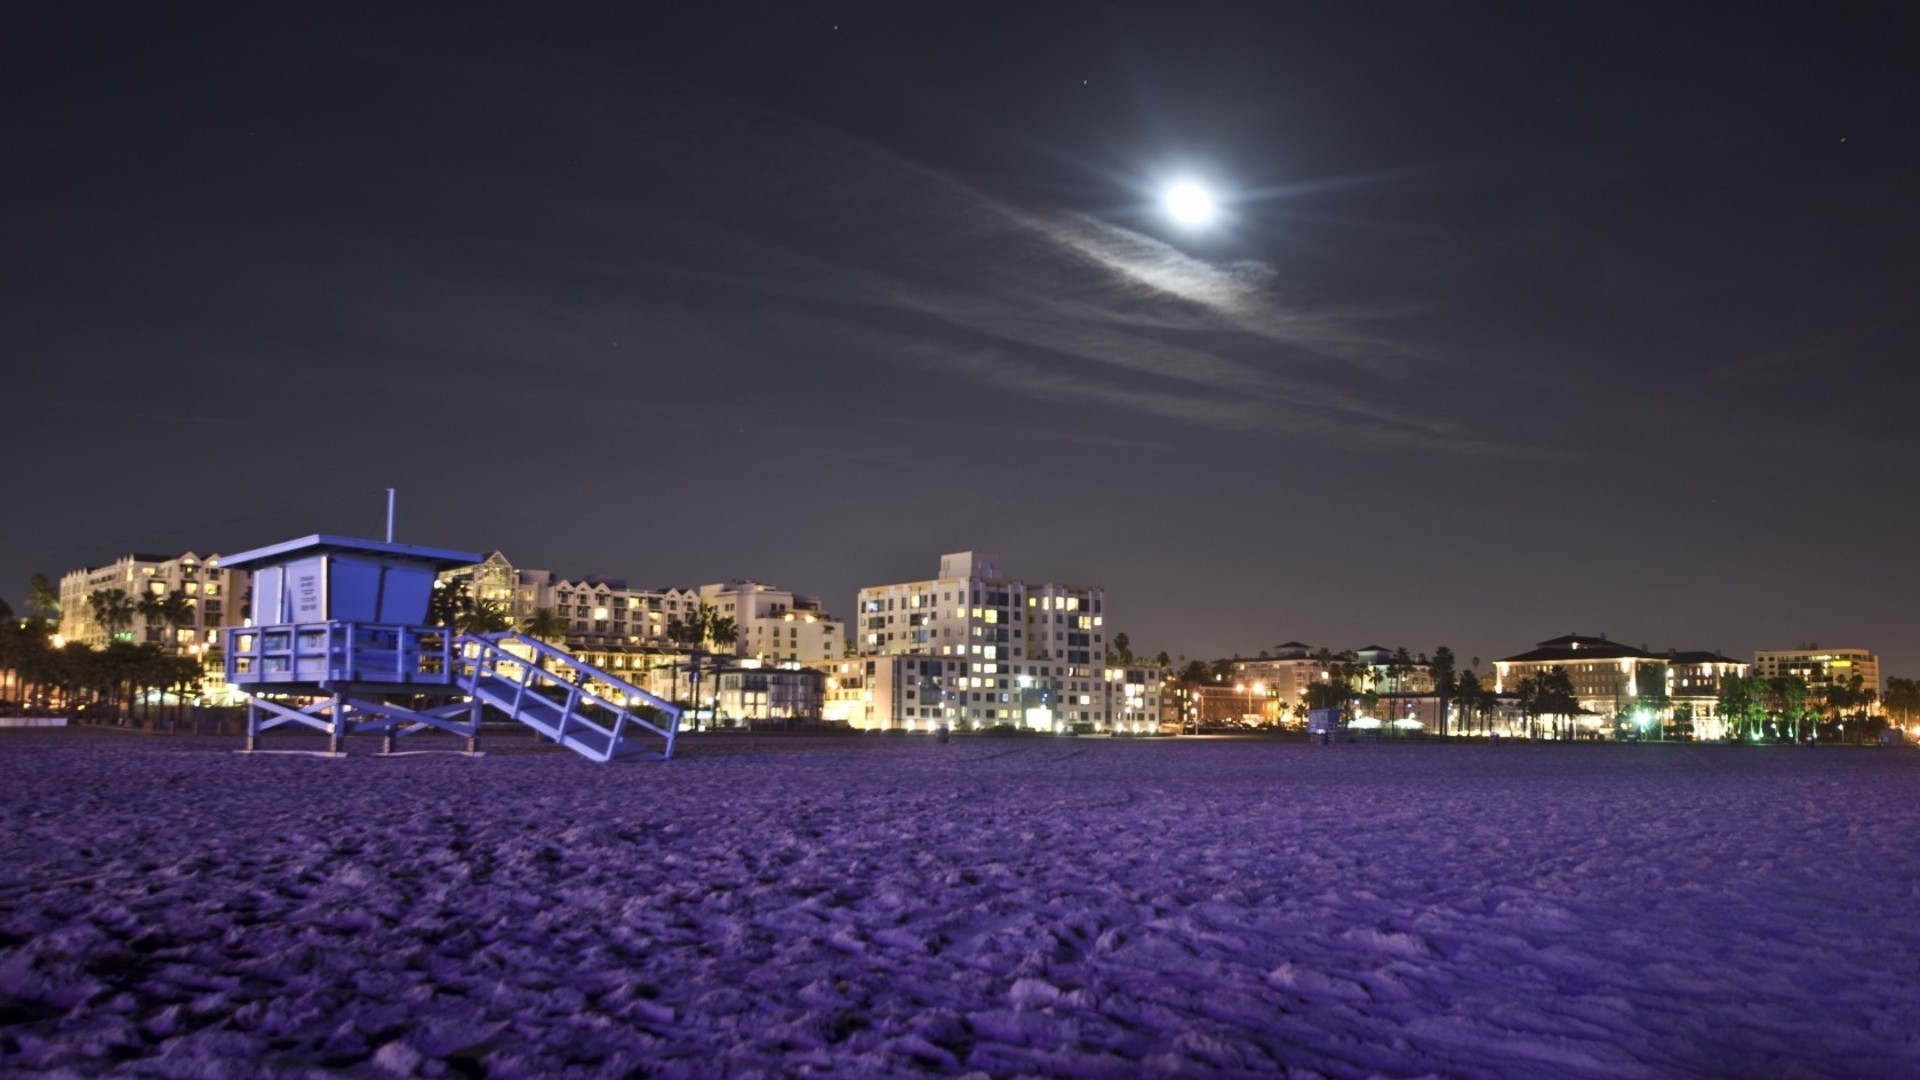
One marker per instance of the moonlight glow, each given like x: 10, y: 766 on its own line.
x: 1189, y: 203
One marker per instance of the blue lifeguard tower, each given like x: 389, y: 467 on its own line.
x: 339, y: 643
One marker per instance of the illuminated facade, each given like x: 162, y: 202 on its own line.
x: 1607, y: 678
x: 775, y: 624
x: 214, y: 598
x: 918, y: 693
x: 1820, y: 668
x: 973, y: 648
x: 1285, y: 673
x: 601, y: 612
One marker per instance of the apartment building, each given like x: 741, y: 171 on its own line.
x: 974, y: 648
x: 1820, y: 668
x: 775, y: 624
x: 214, y: 598
x: 601, y: 612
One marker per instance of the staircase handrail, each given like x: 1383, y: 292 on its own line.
x: 567, y: 658
x: 495, y: 643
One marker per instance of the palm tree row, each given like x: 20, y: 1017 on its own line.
x: 36, y: 675
x: 1785, y: 707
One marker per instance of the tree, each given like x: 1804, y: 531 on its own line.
x: 448, y: 602
x: 150, y: 606
x: 1902, y: 699
x: 113, y: 609
x: 1741, y: 704
x: 1467, y: 688
x: 176, y: 611
x: 1557, y: 697
x: 1445, y: 681
x: 1399, y: 666
x: 1849, y: 700
x: 26, y: 646
x: 1785, y: 703
x: 1162, y: 661
x: 1120, y: 649
x: 43, y: 599
x: 707, y: 629
x: 483, y: 617
x: 1650, y: 697
x: 547, y: 624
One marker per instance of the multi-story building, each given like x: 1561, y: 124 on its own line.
x: 602, y: 613
x: 1133, y: 698
x: 776, y: 624
x: 1820, y: 668
x: 1608, y: 678
x: 1285, y: 672
x: 917, y: 693
x: 214, y: 598
x: 972, y: 648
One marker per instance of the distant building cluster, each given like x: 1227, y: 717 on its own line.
x: 973, y: 648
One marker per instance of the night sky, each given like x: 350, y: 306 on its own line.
x: 1521, y: 319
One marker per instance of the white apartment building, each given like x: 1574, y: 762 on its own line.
x: 1820, y: 668
x: 214, y: 598
x: 776, y: 624
x: 972, y: 648
x: 601, y: 612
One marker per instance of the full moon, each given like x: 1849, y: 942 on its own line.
x: 1189, y: 203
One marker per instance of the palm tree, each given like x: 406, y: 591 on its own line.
x: 724, y: 635
x: 1467, y: 686
x: 547, y: 624
x: 150, y: 605
x: 483, y: 617
x: 1399, y: 666
x: 1558, y: 698
x: 42, y: 598
x: 1650, y: 682
x: 1445, y: 681
x: 113, y: 609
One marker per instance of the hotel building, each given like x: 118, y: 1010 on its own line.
x: 602, y: 613
x: 1607, y: 678
x: 215, y: 598
x: 1820, y: 668
x: 973, y: 648
x: 777, y: 625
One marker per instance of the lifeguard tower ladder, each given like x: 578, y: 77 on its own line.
x: 339, y: 640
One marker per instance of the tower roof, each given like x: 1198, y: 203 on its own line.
x: 322, y: 544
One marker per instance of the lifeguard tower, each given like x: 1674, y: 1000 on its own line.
x: 339, y: 643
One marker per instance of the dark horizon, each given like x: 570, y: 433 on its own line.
x: 1519, y: 321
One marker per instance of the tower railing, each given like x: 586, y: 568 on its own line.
x: 337, y: 652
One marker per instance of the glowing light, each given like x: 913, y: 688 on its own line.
x: 1189, y: 203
